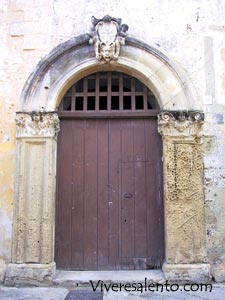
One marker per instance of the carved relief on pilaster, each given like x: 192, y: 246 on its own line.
x: 180, y: 123
x: 107, y: 34
x: 184, y: 193
x: 37, y: 124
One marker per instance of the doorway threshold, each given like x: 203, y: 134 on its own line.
x: 87, y: 278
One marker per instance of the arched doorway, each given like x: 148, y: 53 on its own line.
x: 37, y: 126
x: 109, y: 204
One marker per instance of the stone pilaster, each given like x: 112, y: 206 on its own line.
x: 33, y: 230
x: 184, y: 194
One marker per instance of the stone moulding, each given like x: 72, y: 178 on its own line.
x: 34, y: 96
x: 37, y: 124
x: 198, y: 273
x: 107, y: 34
x: 30, y: 274
x: 180, y: 122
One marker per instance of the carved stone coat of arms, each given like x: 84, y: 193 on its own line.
x: 107, y: 35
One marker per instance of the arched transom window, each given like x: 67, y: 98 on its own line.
x: 108, y: 93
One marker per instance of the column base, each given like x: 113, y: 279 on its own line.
x: 218, y: 270
x: 187, y: 273
x: 29, y: 274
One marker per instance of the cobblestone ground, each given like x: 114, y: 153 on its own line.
x: 58, y: 293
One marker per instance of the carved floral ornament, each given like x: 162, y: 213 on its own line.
x: 180, y: 121
x: 37, y: 124
x: 107, y: 34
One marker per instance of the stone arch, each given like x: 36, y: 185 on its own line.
x: 75, y: 58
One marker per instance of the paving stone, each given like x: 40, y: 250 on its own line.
x: 217, y: 293
x: 79, y: 278
x: 58, y: 293
x: 34, y: 293
x: 84, y: 295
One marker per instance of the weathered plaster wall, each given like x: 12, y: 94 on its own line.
x: 192, y: 32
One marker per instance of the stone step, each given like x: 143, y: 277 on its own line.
x: 87, y: 278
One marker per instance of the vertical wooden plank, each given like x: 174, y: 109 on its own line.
x: 145, y: 98
x: 152, y: 237
x: 102, y: 178
x: 78, y: 194
x: 73, y: 98
x: 120, y: 91
x: 90, y: 197
x: 133, y: 94
x: 140, y: 189
x: 85, y: 93
x: 109, y: 90
x: 97, y: 92
x: 64, y: 194
x: 150, y: 189
x: 127, y: 196
x: 154, y: 211
x: 114, y: 190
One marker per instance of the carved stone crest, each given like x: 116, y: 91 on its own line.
x: 37, y: 124
x: 107, y: 34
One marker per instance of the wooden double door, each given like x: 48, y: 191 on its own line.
x: 109, y: 204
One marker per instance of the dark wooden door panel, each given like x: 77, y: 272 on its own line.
x: 127, y: 194
x: 77, y: 201
x: 109, y: 212
x: 90, y: 196
x: 103, y: 193
x: 114, y: 189
x: 155, y: 240
x: 140, y: 183
x: 64, y: 196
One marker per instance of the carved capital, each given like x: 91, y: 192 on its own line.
x: 107, y: 34
x: 180, y: 123
x: 37, y: 124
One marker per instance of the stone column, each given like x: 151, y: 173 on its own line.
x: 33, y: 228
x: 184, y: 196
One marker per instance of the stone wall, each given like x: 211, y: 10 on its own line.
x: 191, y: 32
